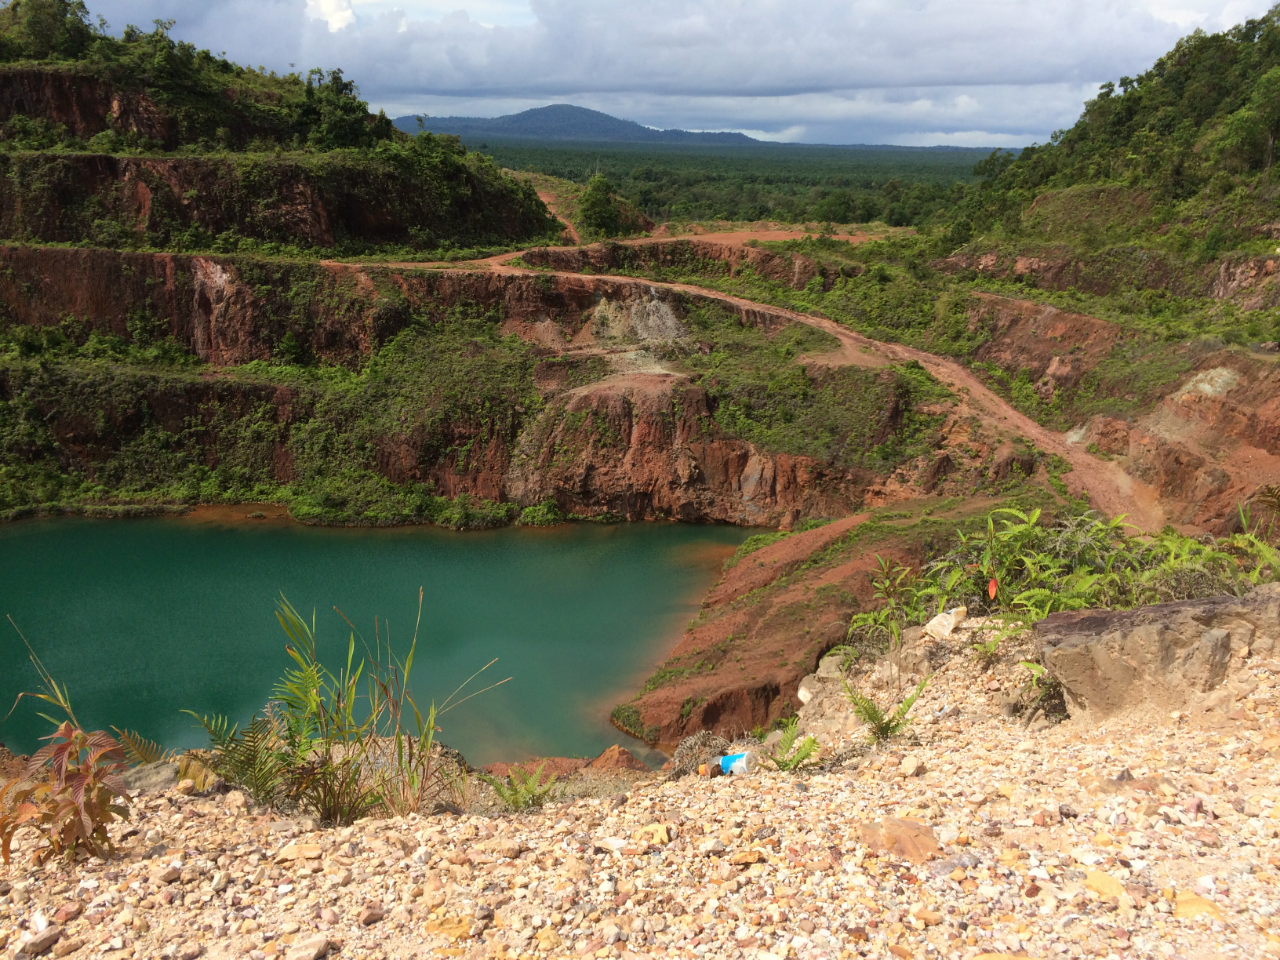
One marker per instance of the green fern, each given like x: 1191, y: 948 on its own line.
x: 138, y: 750
x: 789, y: 755
x: 522, y: 790
x: 881, y: 725
x: 251, y: 758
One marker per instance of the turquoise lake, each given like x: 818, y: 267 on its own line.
x: 143, y: 618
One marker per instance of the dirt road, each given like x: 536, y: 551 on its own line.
x: 1109, y: 488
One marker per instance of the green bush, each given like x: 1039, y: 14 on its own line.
x: 544, y: 514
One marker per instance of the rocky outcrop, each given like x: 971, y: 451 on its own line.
x: 1247, y: 281
x: 645, y: 445
x: 690, y: 256
x: 86, y: 105
x: 229, y: 311
x: 1167, y: 656
x: 1055, y: 347
x: 640, y: 445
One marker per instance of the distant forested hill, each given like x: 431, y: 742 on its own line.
x: 562, y: 121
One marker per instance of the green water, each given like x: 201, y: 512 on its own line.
x: 142, y: 618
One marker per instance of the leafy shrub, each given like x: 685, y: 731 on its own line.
x: 789, y: 755
x: 598, y: 210
x: 1022, y: 568
x: 253, y: 758
x: 75, y: 801
x: 325, y: 745
x: 523, y: 789
x: 881, y: 725
x: 544, y: 514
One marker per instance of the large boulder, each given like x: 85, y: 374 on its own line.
x: 151, y: 777
x: 1168, y: 656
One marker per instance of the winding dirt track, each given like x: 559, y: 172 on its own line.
x: 1110, y: 490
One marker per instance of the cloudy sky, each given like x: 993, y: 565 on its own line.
x: 969, y: 72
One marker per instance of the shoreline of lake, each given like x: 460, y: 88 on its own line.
x: 595, y: 606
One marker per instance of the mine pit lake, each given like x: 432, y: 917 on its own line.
x: 142, y: 618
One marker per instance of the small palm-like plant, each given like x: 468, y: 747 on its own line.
x: 522, y: 789
x: 789, y: 755
x: 881, y: 725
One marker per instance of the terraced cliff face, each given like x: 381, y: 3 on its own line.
x: 320, y: 201
x: 84, y: 104
x: 520, y: 389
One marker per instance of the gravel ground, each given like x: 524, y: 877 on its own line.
x: 1145, y: 837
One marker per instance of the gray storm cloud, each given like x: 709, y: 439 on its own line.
x: 906, y: 71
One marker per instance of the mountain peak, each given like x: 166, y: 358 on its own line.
x: 565, y: 121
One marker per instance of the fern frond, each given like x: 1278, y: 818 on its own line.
x: 139, y: 750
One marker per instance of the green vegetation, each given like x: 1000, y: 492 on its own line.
x: 523, y: 789
x: 236, y: 158
x: 881, y: 725
x: 761, y: 540
x: 1022, y: 566
x: 601, y: 214
x: 847, y: 416
x: 626, y: 717
x: 205, y: 101
x: 790, y: 183
x: 328, y: 747
x: 444, y: 388
x: 791, y: 752
x: 394, y: 199
x: 1196, y: 131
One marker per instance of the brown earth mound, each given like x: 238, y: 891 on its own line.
x: 739, y: 664
x: 1056, y: 347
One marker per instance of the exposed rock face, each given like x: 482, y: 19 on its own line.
x: 794, y: 270
x: 152, y: 777
x: 85, y: 105
x: 1167, y: 656
x: 228, y: 318
x: 644, y: 445
x: 72, y: 197
x: 1054, y: 346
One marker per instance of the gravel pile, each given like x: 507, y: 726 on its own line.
x: 973, y: 835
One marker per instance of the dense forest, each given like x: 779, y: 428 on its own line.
x: 1196, y: 132
x: 794, y: 183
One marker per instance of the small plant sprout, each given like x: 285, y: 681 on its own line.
x: 1037, y: 671
x: 880, y: 725
x: 789, y: 756
x: 523, y: 789
x: 70, y: 787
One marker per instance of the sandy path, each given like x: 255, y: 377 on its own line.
x: 553, y: 204
x: 1110, y: 489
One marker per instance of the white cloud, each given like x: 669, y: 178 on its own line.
x: 336, y: 13
x: 838, y: 70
